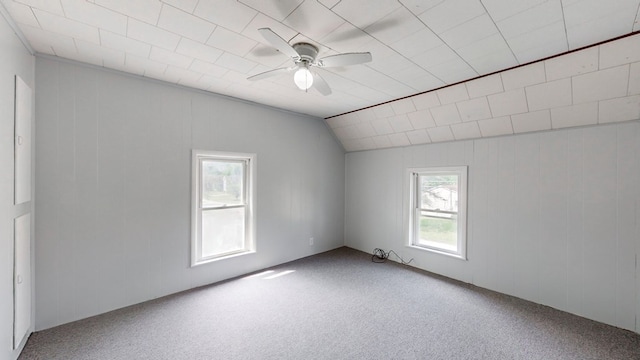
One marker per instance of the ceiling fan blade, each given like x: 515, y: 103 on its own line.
x: 320, y: 84
x: 345, y: 59
x: 270, y: 73
x: 279, y: 43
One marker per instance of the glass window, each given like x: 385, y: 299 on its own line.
x: 222, y: 205
x: 438, y: 208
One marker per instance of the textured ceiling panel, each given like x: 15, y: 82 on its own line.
x: 417, y: 46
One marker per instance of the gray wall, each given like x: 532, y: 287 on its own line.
x: 113, y: 169
x: 15, y: 59
x: 553, y: 217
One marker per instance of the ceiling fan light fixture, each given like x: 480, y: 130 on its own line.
x: 304, y: 56
x: 303, y: 78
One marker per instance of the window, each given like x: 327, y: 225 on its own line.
x: 438, y: 198
x: 222, y: 202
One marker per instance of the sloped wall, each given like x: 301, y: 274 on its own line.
x: 597, y: 85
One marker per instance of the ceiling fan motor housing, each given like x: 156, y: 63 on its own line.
x: 306, y: 51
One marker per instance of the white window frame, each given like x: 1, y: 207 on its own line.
x: 198, y: 156
x: 412, y: 212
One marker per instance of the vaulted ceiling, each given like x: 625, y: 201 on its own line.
x: 417, y: 45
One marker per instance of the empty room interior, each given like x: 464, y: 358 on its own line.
x: 319, y: 179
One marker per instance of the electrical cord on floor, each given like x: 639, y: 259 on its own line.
x: 379, y: 256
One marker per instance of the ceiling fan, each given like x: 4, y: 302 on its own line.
x: 304, y: 57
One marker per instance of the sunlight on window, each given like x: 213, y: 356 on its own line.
x: 437, y: 198
x: 222, y: 205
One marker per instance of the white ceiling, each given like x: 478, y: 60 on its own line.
x: 417, y: 45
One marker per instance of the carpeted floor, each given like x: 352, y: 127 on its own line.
x: 336, y: 305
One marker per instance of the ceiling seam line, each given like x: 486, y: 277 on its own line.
x: 500, y: 32
x: 564, y: 23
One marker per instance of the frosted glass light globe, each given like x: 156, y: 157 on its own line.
x: 303, y: 78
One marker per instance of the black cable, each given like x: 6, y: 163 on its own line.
x: 401, y: 259
x: 380, y: 256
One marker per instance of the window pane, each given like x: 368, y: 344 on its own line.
x: 437, y: 199
x: 439, y: 230
x: 222, y: 231
x: 439, y: 192
x: 222, y: 183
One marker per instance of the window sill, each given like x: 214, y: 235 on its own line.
x: 221, y: 258
x: 436, y: 251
